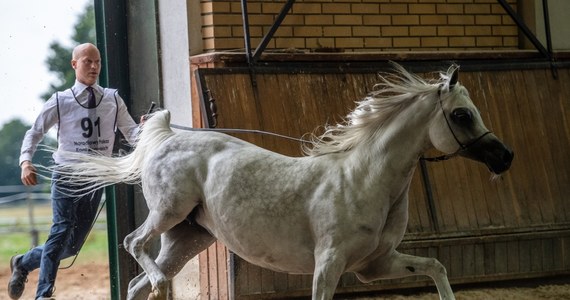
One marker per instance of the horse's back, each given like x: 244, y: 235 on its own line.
x: 208, y: 163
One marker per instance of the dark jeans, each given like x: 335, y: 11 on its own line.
x: 72, y: 219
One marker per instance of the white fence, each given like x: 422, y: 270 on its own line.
x: 32, y: 197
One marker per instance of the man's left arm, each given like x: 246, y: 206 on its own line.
x: 125, y: 122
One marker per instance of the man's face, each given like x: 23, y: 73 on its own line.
x: 87, y: 66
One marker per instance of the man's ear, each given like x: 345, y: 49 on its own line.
x: 74, y: 63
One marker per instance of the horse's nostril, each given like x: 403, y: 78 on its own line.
x: 508, y: 156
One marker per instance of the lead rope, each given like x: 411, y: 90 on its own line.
x: 227, y: 130
x: 234, y: 130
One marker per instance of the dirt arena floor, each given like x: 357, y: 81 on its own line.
x: 91, y: 282
x: 80, y: 282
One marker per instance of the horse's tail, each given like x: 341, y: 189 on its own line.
x: 95, y: 171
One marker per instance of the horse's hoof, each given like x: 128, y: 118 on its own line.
x: 157, y: 295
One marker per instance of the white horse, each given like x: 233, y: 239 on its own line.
x: 341, y: 208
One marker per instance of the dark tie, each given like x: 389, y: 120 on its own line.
x: 91, y: 102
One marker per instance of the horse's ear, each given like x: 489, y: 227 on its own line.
x: 454, y: 77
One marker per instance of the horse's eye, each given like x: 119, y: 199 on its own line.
x: 462, y: 117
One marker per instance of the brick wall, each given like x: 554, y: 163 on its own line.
x: 363, y: 25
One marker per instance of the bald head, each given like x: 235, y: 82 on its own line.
x: 86, y: 61
x: 79, y: 50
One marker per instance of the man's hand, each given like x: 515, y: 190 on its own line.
x: 150, y: 110
x: 28, y: 173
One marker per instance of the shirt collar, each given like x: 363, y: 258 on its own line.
x: 79, y: 87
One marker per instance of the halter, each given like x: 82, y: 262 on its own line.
x: 462, y: 146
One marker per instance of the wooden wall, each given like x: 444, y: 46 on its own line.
x: 516, y: 226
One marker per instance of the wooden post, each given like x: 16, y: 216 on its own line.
x: 33, y: 230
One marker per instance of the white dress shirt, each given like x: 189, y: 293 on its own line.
x: 79, y: 127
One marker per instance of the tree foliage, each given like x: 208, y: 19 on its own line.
x: 12, y: 133
x: 59, y: 59
x: 59, y: 62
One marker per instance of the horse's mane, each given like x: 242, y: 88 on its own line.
x: 395, y: 92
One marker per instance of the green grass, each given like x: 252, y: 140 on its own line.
x: 95, y: 248
x: 18, y: 241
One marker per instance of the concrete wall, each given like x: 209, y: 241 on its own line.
x: 175, y: 60
x: 175, y: 32
x: 559, y: 23
x: 195, y: 27
x: 159, y: 71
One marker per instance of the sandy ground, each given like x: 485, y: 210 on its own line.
x: 91, y: 282
x: 546, y: 291
x: 80, y: 282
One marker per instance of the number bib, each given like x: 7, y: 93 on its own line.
x: 83, y: 129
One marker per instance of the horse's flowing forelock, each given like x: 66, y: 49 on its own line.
x: 394, y: 93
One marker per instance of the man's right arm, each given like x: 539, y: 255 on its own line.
x: 46, y: 119
x: 28, y: 173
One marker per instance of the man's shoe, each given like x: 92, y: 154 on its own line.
x: 18, y: 280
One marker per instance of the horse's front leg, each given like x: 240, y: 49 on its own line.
x: 398, y: 265
x: 135, y: 244
x: 178, y: 246
x: 329, y: 266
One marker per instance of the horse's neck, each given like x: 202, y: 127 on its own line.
x: 393, y: 155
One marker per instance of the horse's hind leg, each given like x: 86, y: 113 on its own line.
x: 178, y: 246
x: 139, y: 287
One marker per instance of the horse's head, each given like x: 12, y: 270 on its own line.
x: 458, y: 128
